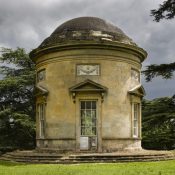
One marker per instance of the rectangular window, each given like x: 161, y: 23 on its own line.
x: 136, y: 114
x: 41, y: 118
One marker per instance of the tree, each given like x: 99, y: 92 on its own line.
x: 17, y: 99
x: 164, y: 70
x: 165, y: 11
x: 158, y: 123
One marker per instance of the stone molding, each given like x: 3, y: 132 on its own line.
x: 137, y: 91
x: 88, y: 86
x: 129, y: 138
x: 55, y: 138
x: 139, y: 52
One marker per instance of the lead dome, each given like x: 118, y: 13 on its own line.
x: 86, y: 28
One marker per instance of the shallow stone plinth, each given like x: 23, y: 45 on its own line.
x: 82, y: 157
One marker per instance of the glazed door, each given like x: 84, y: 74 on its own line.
x: 88, y: 125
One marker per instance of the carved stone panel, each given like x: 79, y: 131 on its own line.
x: 135, y: 75
x: 41, y: 75
x: 88, y: 69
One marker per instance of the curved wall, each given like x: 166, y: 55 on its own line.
x: 61, y: 125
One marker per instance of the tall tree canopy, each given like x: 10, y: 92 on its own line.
x: 17, y: 99
x: 158, y: 123
x: 166, y: 10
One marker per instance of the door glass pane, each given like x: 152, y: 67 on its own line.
x: 93, y: 104
x: 93, y: 113
x: 82, y: 131
x: 88, y: 104
x: 83, y: 105
x: 88, y: 130
x: 88, y: 118
x: 94, y: 130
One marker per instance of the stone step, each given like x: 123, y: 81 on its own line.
x: 35, y: 157
x: 85, y: 160
x: 11, y: 156
x: 34, y: 154
x: 101, y: 156
x: 113, y: 157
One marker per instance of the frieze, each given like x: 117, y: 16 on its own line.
x: 87, y: 69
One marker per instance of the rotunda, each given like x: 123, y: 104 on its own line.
x: 88, y: 89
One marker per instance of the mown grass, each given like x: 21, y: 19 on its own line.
x: 137, y: 168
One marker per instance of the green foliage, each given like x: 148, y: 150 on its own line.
x: 164, y: 70
x: 159, y: 123
x: 17, y: 99
x: 165, y: 11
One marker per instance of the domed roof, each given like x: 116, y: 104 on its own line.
x: 86, y: 28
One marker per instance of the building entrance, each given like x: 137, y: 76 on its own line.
x: 88, y: 122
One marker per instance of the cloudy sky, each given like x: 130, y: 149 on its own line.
x: 26, y: 23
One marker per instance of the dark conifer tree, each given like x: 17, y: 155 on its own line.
x: 17, y: 99
x: 166, y: 10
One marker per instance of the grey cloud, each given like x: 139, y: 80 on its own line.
x: 27, y: 23
x: 159, y: 88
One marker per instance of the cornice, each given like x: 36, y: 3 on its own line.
x: 131, y: 49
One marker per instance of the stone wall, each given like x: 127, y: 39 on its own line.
x: 114, y: 114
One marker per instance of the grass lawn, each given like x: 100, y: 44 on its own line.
x: 138, y: 168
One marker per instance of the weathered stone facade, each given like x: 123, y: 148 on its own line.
x: 74, y: 73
